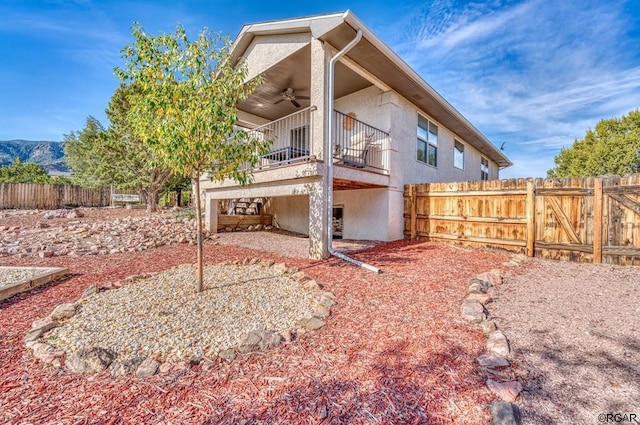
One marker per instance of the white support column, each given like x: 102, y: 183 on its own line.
x: 320, y: 57
x: 211, y: 214
x: 318, y: 248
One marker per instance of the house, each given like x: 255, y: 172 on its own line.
x: 341, y: 106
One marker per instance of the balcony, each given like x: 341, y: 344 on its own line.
x: 357, y: 144
x: 290, y: 137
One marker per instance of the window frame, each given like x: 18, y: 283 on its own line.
x: 427, y: 141
x: 457, y: 142
x: 484, y: 174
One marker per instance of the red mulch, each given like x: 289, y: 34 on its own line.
x: 394, y: 351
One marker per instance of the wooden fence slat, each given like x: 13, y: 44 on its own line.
x: 531, y: 217
x: 414, y: 210
x: 597, y: 220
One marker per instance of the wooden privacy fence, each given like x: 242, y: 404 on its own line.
x: 50, y: 196
x: 595, y: 219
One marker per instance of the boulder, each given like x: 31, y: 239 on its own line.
x: 251, y: 342
x: 488, y: 326
x: 477, y: 286
x: 493, y: 277
x: 506, y: 391
x: 311, y: 323
x: 91, y: 290
x: 90, y: 360
x: 228, y: 354
x: 148, y: 367
x: 39, y: 328
x: 497, y: 344
x: 483, y: 299
x: 505, y: 413
x: 473, y: 311
x: 492, y: 361
x: 64, y: 311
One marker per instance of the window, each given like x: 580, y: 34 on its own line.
x: 427, y: 145
x: 458, y: 155
x: 484, y: 169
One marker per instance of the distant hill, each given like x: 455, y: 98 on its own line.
x: 48, y: 154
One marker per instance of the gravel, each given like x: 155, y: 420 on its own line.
x: 162, y: 317
x: 573, y: 330
x: 12, y: 275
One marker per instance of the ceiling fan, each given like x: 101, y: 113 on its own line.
x: 288, y: 94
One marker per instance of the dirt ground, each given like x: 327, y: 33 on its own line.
x: 574, y: 330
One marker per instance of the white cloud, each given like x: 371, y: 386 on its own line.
x: 535, y: 73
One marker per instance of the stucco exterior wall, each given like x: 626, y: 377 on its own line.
x: 365, y: 213
x: 290, y: 212
x: 368, y: 106
x: 267, y: 50
x: 406, y: 169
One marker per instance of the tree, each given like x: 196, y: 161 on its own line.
x: 24, y: 172
x: 187, y: 109
x: 613, y: 148
x: 115, y: 156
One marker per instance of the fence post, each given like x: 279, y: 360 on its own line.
x: 414, y: 210
x: 597, y: 220
x: 531, y: 214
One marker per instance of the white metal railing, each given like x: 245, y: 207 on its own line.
x: 290, y: 137
x: 360, y: 145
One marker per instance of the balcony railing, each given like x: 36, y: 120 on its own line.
x: 290, y: 137
x: 357, y: 144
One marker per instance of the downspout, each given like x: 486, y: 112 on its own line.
x: 328, y: 148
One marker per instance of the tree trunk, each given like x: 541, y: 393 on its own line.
x: 153, y: 196
x: 199, y: 233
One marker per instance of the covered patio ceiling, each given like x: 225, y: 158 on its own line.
x: 295, y: 72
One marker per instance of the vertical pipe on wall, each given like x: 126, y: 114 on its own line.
x: 328, y: 155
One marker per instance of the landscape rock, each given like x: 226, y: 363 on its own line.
x: 488, y: 326
x: 483, y: 299
x: 90, y: 360
x: 251, y: 342
x: 311, y: 285
x: 91, y: 290
x: 148, y: 367
x: 311, y: 323
x: 505, y: 413
x: 64, y: 311
x: 280, y: 267
x: 492, y: 361
x: 125, y: 368
x: 473, y: 311
x: 269, y: 340
x: 506, y: 391
x: 228, y: 354
x: 493, y: 277
x: 39, y: 328
x: 497, y: 344
x: 322, y: 312
x: 477, y: 286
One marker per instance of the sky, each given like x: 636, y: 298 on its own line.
x: 531, y: 75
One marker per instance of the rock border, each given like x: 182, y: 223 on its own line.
x: 498, y: 353
x: 97, y: 359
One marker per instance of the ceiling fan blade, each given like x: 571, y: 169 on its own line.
x: 278, y: 101
x: 295, y: 103
x: 303, y: 97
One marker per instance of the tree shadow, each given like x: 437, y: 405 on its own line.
x: 397, y: 390
x: 580, y: 384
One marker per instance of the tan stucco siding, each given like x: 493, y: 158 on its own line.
x: 407, y: 169
x: 267, y: 50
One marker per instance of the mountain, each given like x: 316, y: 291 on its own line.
x: 48, y: 154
